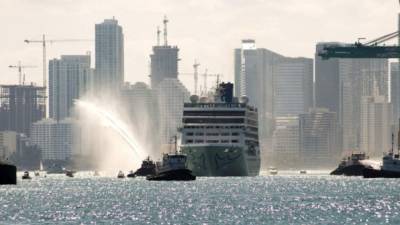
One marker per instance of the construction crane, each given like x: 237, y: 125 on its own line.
x: 370, y: 49
x: 205, y: 75
x: 43, y: 41
x: 19, y: 66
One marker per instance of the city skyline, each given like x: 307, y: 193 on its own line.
x: 198, y: 37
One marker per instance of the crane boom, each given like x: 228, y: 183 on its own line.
x: 19, y: 66
x: 43, y: 41
x: 367, y: 50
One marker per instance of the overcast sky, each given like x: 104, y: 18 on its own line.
x: 207, y: 30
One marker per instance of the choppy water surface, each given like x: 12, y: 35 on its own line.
x: 290, y: 199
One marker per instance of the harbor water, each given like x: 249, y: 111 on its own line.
x: 280, y: 199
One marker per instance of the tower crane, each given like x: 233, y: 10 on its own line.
x: 19, y: 66
x: 196, y: 77
x: 44, y: 41
x: 369, y: 49
x: 205, y: 75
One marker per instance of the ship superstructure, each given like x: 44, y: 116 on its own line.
x: 220, y: 135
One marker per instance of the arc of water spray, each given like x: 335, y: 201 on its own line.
x: 115, y: 124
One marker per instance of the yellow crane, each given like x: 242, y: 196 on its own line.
x: 43, y: 41
x: 19, y: 66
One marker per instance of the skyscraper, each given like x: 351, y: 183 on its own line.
x: 164, y: 60
x: 69, y: 79
x: 286, y: 142
x: 109, y: 72
x: 293, y: 86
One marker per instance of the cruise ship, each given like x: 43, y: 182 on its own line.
x: 220, y: 135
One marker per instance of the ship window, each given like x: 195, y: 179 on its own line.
x: 212, y: 141
x: 190, y: 134
x: 224, y: 134
x: 198, y: 141
x: 224, y: 141
x: 235, y: 141
x: 212, y: 134
x: 189, y: 141
x: 199, y: 134
x: 235, y: 134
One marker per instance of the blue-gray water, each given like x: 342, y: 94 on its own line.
x: 309, y: 199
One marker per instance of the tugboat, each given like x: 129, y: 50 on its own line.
x: 69, y: 173
x: 121, y: 174
x: 148, y: 168
x: 273, y: 170
x: 352, y: 165
x: 303, y: 171
x: 390, y: 165
x: 131, y: 174
x: 172, y: 167
x: 26, y: 176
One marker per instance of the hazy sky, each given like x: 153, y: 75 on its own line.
x: 208, y: 30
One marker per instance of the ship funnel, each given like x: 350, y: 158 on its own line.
x: 194, y: 99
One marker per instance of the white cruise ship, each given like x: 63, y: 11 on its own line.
x: 220, y: 135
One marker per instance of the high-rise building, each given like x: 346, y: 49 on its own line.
x: 293, y: 86
x: 395, y: 89
x: 69, y: 79
x: 164, y: 60
x: 376, y: 124
x: 20, y: 106
x: 254, y: 78
x: 319, y: 138
x: 171, y: 94
x: 339, y: 86
x: 286, y: 142
x: 54, y: 138
x: 109, y: 47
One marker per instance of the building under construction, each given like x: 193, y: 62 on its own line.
x: 20, y: 106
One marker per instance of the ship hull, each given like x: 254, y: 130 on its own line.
x: 352, y: 170
x: 221, y: 161
x: 172, y: 175
x: 373, y: 173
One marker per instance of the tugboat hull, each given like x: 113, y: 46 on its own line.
x: 173, y: 175
x: 8, y: 174
x: 373, y: 173
x: 353, y: 170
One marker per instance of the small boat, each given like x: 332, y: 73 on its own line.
x: 121, y: 174
x: 26, y: 176
x: 131, y: 174
x: 69, y: 173
x: 172, y: 167
x: 96, y: 173
x: 148, y: 167
x: 37, y: 173
x: 273, y: 170
x: 303, y: 171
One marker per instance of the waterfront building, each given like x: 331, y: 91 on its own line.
x: 376, y: 121
x: 54, y: 138
x: 8, y: 144
x: 109, y: 50
x: 286, y: 142
x: 395, y: 90
x: 69, y: 79
x: 319, y: 139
